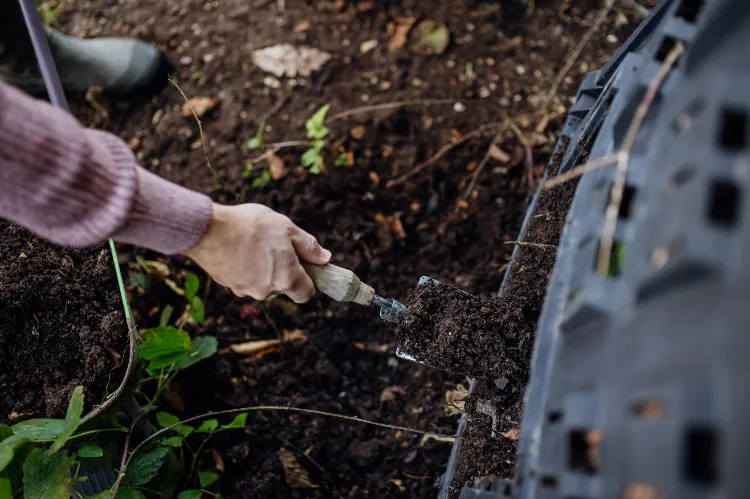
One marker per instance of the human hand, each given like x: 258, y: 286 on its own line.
x: 255, y: 251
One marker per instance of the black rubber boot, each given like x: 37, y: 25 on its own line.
x: 123, y: 68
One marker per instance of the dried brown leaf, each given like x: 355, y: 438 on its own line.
x: 391, y: 393
x: 201, y: 105
x: 296, y: 476
x: 358, y: 132
x: 276, y: 167
x: 512, y: 434
x: 399, y: 483
x: 254, y: 347
x: 398, y: 32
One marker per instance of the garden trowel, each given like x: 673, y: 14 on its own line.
x: 343, y: 285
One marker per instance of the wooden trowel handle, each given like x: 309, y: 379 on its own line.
x: 339, y: 283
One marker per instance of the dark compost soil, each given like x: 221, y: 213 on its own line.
x: 500, y: 62
x: 494, y: 405
x: 61, y: 325
x: 451, y: 329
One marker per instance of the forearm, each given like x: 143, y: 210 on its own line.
x: 78, y: 187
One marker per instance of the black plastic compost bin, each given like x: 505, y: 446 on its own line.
x: 652, y: 360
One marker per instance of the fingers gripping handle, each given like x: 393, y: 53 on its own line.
x: 339, y: 283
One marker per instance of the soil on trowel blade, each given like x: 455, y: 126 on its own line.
x: 61, y: 325
x: 448, y: 328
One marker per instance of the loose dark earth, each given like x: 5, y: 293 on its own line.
x: 61, y: 325
x: 500, y: 63
x: 451, y: 329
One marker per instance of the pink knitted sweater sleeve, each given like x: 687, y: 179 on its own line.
x: 78, y: 187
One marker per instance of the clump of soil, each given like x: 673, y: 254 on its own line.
x: 61, y: 325
x: 448, y: 328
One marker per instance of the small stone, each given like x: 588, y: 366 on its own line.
x: 450, y: 63
x: 385, y: 85
x: 501, y: 383
x: 520, y: 70
x: 271, y: 82
x: 484, y: 92
x: 490, y: 61
x: 186, y: 60
x: 459, y: 107
x: 208, y: 58
x: 368, y: 46
x: 611, y: 38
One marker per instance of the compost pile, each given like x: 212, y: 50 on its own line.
x: 500, y: 61
x: 61, y: 325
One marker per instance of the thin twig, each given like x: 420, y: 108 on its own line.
x: 283, y: 408
x: 580, y: 170
x: 200, y: 130
x: 485, y: 160
x: 576, y: 53
x: 536, y: 245
x: 529, y: 156
x: 276, y: 147
x: 389, y: 105
x: 615, y: 200
x: 640, y: 9
x: 443, y: 150
x: 124, y: 459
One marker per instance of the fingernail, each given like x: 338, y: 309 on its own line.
x: 326, y: 254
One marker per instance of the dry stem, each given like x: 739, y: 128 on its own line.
x: 535, y: 245
x: 200, y: 128
x: 581, y: 169
x: 443, y: 150
x: 485, y: 160
x: 389, y: 105
x: 610, y: 221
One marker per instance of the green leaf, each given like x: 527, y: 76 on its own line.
x: 172, y: 442
x: 237, y: 422
x: 315, y: 127
x: 105, y: 494
x: 248, y: 169
x: 342, y: 160
x: 207, y: 478
x: 5, y: 432
x: 128, y: 493
x: 166, y: 419
x: 311, y: 158
x: 203, y: 348
x: 166, y: 314
x: 47, y: 476
x: 192, y: 284
x: 8, y: 448
x: 190, y: 494
x: 144, y: 466
x: 170, y: 475
x: 208, y: 426
x: 72, y: 419
x: 39, y: 430
x: 197, y: 310
x: 6, y: 491
x: 164, y: 346
x: 257, y: 141
x: 90, y: 449
x: 316, y: 169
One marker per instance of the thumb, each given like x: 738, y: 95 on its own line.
x: 308, y: 249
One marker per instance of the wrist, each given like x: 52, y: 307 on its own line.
x: 209, y: 242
